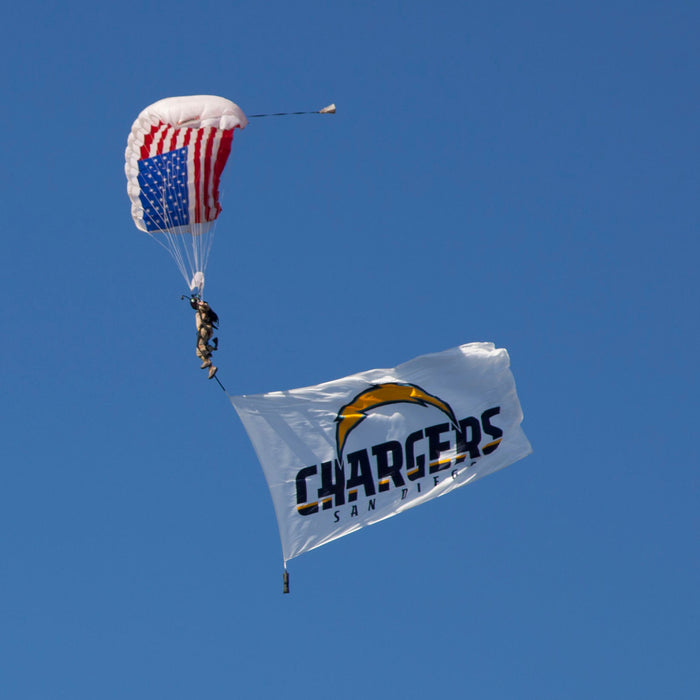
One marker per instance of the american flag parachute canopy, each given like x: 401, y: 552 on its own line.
x: 175, y: 155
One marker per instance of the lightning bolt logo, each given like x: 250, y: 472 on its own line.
x: 353, y: 413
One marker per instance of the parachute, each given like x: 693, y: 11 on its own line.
x: 175, y: 155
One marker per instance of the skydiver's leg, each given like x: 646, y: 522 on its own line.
x: 203, y: 348
x: 204, y: 353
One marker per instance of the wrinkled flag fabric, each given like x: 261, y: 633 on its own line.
x: 351, y: 452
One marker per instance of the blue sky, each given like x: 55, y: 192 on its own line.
x: 522, y: 173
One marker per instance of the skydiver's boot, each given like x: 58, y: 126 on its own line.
x: 206, y: 363
x: 212, y: 371
x: 215, y: 342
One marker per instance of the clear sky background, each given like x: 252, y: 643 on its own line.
x: 522, y: 173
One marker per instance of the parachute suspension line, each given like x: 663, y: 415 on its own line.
x: 190, y: 252
x: 203, y: 241
x: 170, y: 245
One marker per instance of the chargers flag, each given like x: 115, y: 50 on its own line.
x: 351, y: 452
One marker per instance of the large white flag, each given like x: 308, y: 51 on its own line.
x: 351, y: 452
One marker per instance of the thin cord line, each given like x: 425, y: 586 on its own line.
x: 221, y: 385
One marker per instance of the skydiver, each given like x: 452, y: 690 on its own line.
x: 205, y: 320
